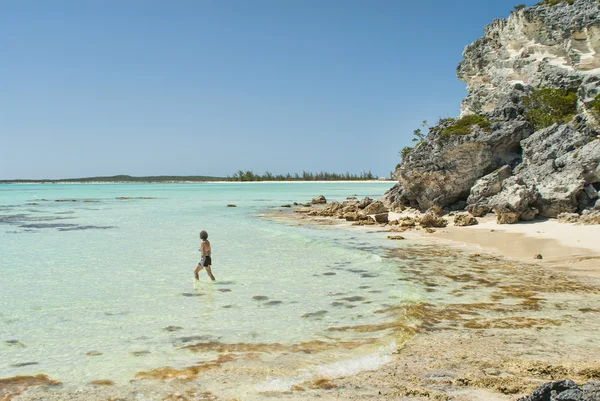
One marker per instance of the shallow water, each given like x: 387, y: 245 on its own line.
x: 97, y: 287
x: 102, y: 289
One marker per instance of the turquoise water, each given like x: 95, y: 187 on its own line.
x: 102, y: 288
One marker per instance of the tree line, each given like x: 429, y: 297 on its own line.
x: 248, y: 175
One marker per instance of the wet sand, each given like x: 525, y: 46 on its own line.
x: 497, y: 323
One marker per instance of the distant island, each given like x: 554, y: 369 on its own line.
x: 240, y: 176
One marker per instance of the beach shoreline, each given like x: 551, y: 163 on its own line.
x: 496, y: 356
x: 505, y: 332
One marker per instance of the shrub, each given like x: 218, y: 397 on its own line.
x: 404, y: 152
x: 464, y: 125
x: 547, y: 106
x: 519, y: 7
x: 551, y: 3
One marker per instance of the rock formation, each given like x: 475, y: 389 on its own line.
x: 565, y: 390
x: 502, y: 159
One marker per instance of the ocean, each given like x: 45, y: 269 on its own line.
x: 97, y: 284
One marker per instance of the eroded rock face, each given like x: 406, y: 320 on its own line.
x: 560, y: 161
x: 556, y: 168
x: 538, y: 47
x: 442, y: 171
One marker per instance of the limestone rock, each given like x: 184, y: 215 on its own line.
x: 560, y: 161
x: 381, y: 218
x: 536, y: 47
x: 441, y: 171
x: 489, y: 185
x: 431, y: 220
x: 395, y: 200
x: 568, y: 218
x: 507, y: 217
x: 479, y: 209
x: 350, y: 201
x: 319, y: 200
x: 464, y: 219
x: 590, y: 217
x: 395, y: 237
x: 375, y: 208
x: 513, y: 200
x: 366, y: 201
x: 565, y: 390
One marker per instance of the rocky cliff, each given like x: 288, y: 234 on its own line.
x: 526, y: 142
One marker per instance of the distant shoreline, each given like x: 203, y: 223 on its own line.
x: 40, y: 182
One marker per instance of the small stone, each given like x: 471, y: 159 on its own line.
x: 21, y: 364
x: 395, y: 237
x: 287, y: 205
x: 260, y: 298
x: 93, y: 353
x: 231, y: 205
x: 102, y: 383
x: 172, y: 328
x: 538, y: 256
x: 315, y: 314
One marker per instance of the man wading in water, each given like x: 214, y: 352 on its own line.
x: 206, y: 260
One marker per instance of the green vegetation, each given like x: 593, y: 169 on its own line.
x: 464, y: 126
x: 547, y: 106
x: 239, y: 176
x: 551, y: 3
x: 248, y: 176
x: 520, y: 7
x: 418, y: 137
x: 404, y: 152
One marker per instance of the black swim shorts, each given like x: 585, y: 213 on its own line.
x: 207, y: 261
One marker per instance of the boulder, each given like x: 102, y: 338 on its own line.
x: 431, y: 220
x: 479, y: 209
x: 565, y: 390
x: 464, y: 219
x: 375, y: 208
x: 590, y: 217
x: 568, y: 218
x: 319, y: 200
x: 489, y: 185
x: 514, y: 200
x: 350, y: 201
x: 352, y: 216
x: 381, y: 218
x: 507, y: 217
x: 529, y: 214
x: 366, y: 201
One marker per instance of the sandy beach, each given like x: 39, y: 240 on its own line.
x: 486, y: 348
x: 572, y: 249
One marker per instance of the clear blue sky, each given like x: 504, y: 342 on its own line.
x: 199, y: 87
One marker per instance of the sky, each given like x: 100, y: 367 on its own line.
x: 202, y: 87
